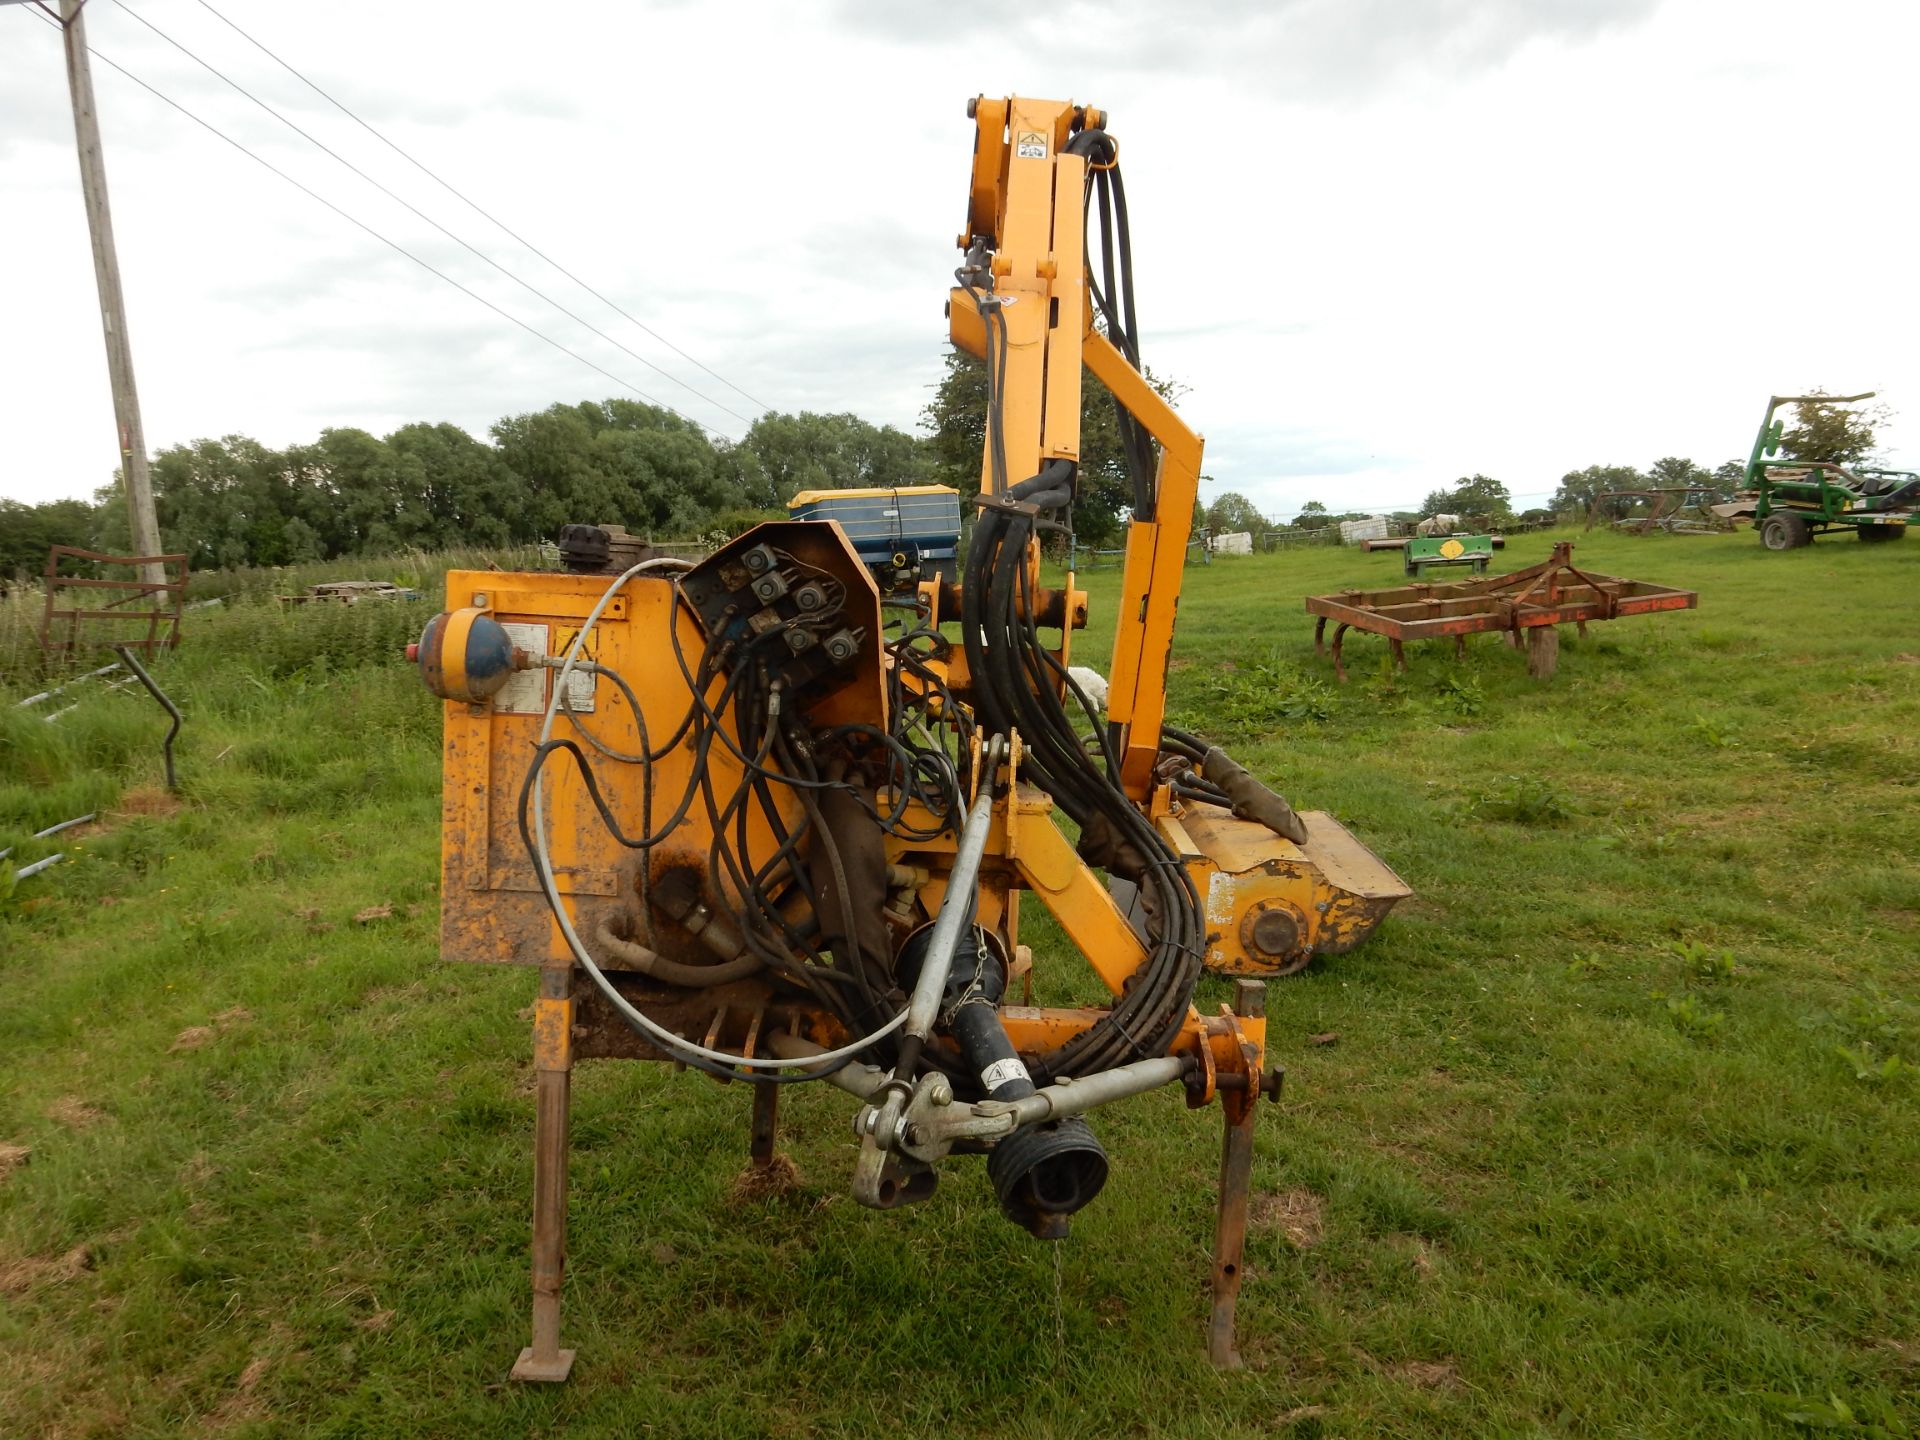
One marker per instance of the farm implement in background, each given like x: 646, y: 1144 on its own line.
x: 1676, y: 509
x: 1400, y: 542
x: 1792, y: 500
x: 1439, y: 552
x: 1534, y: 601
x: 903, y: 534
x: 70, y: 628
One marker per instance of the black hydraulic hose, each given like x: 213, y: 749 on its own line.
x: 1010, y: 681
x: 1184, y: 742
x: 1113, y: 295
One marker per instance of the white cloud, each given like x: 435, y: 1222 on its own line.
x: 1383, y: 244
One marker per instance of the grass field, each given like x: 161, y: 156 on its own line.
x: 1617, y: 1133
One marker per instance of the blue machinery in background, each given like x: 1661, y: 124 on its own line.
x: 904, y: 534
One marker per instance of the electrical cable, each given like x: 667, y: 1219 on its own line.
x: 533, y: 798
x: 477, y: 209
x: 390, y: 244
x: 402, y: 201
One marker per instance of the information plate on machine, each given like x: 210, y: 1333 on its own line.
x: 526, y: 692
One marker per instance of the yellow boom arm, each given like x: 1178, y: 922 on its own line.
x: 1028, y: 209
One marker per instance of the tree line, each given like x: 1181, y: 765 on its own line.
x: 1812, y: 431
x: 237, y: 502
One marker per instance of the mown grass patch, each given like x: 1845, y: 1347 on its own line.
x: 1599, y: 1136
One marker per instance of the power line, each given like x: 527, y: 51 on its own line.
x: 479, y: 210
x: 391, y: 244
x: 384, y: 190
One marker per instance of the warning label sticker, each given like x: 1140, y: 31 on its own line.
x: 1030, y: 145
x: 1002, y: 1071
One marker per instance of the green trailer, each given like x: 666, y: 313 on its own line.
x: 1425, y: 552
x: 1790, y: 501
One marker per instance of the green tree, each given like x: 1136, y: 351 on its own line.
x: 1477, y: 496
x: 26, y: 532
x: 1672, y: 470
x: 956, y: 420
x: 830, y: 452
x: 225, y: 503
x: 1822, y: 430
x: 1233, y: 511
x: 466, y: 493
x: 348, y: 488
x: 1313, y: 516
x: 1580, y: 488
x: 562, y: 483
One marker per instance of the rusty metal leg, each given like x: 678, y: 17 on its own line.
x: 1399, y: 655
x: 553, y: 1066
x: 1339, y: 670
x: 1543, y: 651
x: 1459, y: 647
x: 766, y: 1120
x: 1581, y: 628
x: 1320, y: 636
x: 1236, y: 1178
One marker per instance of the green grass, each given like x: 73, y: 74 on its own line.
x: 1620, y: 1135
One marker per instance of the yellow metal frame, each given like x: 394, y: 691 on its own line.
x: 492, y: 911
x: 1026, y: 201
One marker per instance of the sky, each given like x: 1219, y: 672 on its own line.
x: 1381, y: 244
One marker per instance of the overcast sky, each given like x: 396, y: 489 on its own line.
x: 1382, y: 243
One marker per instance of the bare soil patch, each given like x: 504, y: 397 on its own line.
x: 1297, y: 1214
x: 74, y: 1113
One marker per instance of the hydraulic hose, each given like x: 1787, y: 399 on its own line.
x: 533, y: 800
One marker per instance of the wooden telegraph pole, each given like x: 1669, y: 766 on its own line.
x: 113, y: 312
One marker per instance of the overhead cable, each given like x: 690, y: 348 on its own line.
x: 390, y: 244
x: 478, y: 209
x: 530, y: 288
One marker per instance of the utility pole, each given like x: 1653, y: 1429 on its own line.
x: 113, y: 311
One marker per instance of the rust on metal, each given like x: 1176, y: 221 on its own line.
x: 70, y: 629
x: 1238, y: 1104
x: 544, y: 1359
x: 765, y: 1126
x: 552, y: 1033
x: 1554, y: 592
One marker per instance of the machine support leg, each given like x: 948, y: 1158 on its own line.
x: 1399, y: 655
x: 1459, y: 647
x: 1339, y: 670
x: 766, y: 1119
x: 1320, y: 636
x: 1236, y: 1178
x: 1543, y: 651
x: 553, y: 1066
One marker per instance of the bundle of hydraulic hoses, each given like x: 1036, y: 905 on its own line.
x: 1017, y: 684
